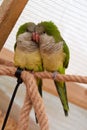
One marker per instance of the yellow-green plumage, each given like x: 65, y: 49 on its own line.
x: 27, y: 60
x: 26, y: 51
x: 27, y: 54
x: 55, y: 56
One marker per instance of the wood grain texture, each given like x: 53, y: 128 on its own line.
x: 76, y: 93
x: 10, y: 10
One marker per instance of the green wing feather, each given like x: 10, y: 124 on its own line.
x: 61, y: 90
x: 66, y: 51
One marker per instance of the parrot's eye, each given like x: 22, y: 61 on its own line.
x: 27, y: 30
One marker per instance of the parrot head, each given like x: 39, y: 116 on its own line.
x: 39, y: 29
x: 31, y: 27
x: 27, y: 27
x: 49, y: 28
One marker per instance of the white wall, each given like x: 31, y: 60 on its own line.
x: 1, y: 1
x: 71, y: 18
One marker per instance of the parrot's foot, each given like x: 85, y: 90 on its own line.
x: 54, y: 75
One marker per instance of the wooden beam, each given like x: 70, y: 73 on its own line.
x: 10, y: 10
x: 76, y: 93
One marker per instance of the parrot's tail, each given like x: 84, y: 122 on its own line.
x: 39, y: 83
x: 61, y: 89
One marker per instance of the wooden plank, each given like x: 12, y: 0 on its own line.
x: 76, y: 93
x: 10, y: 10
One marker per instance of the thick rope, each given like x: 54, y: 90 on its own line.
x: 9, y: 70
x: 36, y: 100
x: 32, y: 96
x: 62, y: 77
x: 23, y: 123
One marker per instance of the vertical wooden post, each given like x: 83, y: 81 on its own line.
x: 10, y: 10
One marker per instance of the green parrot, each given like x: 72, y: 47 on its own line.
x: 26, y: 51
x: 27, y: 54
x: 55, y: 55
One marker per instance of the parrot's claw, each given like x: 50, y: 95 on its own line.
x: 54, y: 75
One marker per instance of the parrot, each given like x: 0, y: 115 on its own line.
x: 55, y: 56
x: 26, y: 51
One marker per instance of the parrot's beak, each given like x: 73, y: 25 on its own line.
x: 35, y: 37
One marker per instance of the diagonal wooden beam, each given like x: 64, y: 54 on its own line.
x: 10, y: 10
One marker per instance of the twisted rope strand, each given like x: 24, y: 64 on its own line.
x: 32, y: 95
x: 6, y: 70
x: 9, y: 66
x: 62, y: 77
x: 23, y: 123
x: 36, y: 99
